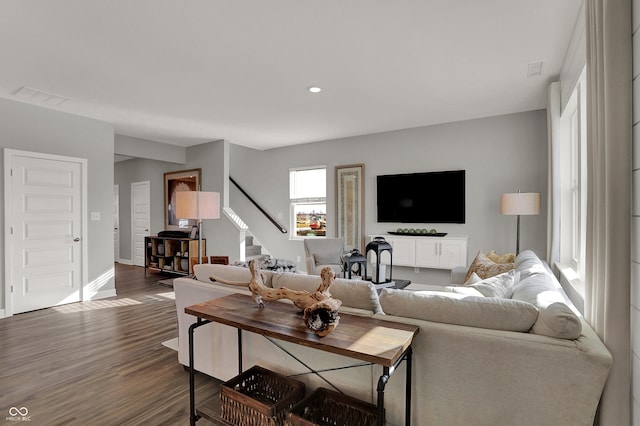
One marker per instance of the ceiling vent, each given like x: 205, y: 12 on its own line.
x: 35, y: 95
x: 534, y: 69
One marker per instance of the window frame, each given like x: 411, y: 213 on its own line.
x: 314, y: 199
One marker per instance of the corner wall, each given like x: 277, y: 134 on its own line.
x: 31, y: 128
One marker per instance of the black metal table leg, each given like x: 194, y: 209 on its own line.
x: 407, y: 394
x: 193, y: 417
x: 382, y: 383
x: 240, y: 370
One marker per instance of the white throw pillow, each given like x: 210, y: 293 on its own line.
x: 497, y: 286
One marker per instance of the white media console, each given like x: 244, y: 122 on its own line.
x: 424, y: 251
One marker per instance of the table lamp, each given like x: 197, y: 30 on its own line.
x: 198, y: 205
x: 517, y: 204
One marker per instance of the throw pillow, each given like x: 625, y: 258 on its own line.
x: 474, y: 278
x: 500, y: 285
x: 501, y: 258
x: 486, y: 268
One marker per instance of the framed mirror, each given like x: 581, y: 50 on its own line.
x: 349, y: 192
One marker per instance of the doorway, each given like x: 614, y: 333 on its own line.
x: 140, y: 219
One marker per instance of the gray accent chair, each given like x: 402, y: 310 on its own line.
x: 321, y: 252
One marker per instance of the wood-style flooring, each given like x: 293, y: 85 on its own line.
x: 99, y: 362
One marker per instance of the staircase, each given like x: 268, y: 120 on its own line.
x: 252, y: 250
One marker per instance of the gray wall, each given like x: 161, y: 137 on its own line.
x: 31, y: 128
x: 209, y: 157
x: 500, y: 154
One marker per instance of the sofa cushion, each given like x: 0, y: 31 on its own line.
x: 463, y: 289
x: 497, y: 286
x: 528, y: 263
x: 204, y: 271
x: 353, y: 293
x: 459, y: 309
x: 538, y: 287
x: 485, y: 267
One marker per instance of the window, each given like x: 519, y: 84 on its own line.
x: 308, y: 195
x: 573, y: 180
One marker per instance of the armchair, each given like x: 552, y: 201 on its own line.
x: 323, y: 252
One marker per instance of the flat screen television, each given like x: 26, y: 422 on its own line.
x: 430, y: 197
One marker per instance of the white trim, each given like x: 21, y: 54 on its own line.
x: 133, y: 234
x: 8, y: 158
x: 125, y: 261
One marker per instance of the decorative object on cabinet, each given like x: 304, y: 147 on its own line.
x: 350, y: 205
x: 517, y: 204
x: 198, y: 205
x: 174, y: 182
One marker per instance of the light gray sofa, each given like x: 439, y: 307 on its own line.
x: 477, y: 360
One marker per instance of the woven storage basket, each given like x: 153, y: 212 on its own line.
x: 259, y: 397
x: 326, y: 407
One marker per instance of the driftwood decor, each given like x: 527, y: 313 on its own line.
x: 320, y: 310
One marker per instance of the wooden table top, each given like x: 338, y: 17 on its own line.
x: 362, y: 338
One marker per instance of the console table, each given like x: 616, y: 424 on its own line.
x: 366, y: 339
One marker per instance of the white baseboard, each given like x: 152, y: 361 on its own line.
x: 125, y: 261
x: 2, y: 313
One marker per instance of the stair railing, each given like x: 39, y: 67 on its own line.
x: 263, y: 211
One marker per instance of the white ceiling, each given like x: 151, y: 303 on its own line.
x: 192, y: 71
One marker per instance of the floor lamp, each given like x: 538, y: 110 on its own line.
x: 198, y: 205
x: 517, y: 204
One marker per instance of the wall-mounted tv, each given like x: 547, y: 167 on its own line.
x: 430, y: 197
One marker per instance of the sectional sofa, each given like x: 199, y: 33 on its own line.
x: 510, y: 349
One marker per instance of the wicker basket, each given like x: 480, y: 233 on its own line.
x: 326, y: 407
x: 259, y: 397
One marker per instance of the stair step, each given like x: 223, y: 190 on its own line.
x: 253, y: 250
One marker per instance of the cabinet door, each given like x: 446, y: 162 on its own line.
x: 404, y: 252
x: 453, y: 253
x: 427, y: 253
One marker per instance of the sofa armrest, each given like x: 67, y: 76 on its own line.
x: 495, y: 377
x: 458, y: 273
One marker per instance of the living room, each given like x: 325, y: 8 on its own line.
x: 501, y: 152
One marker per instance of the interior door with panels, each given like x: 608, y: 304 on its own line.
x: 45, y: 231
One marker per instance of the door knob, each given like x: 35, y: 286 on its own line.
x: 75, y: 240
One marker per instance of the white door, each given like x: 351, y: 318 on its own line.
x: 116, y: 222
x: 140, y: 219
x: 45, y: 227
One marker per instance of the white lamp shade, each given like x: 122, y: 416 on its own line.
x: 197, y: 205
x: 520, y: 203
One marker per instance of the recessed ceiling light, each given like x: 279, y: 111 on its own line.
x: 315, y: 89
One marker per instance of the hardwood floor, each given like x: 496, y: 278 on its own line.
x: 99, y: 362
